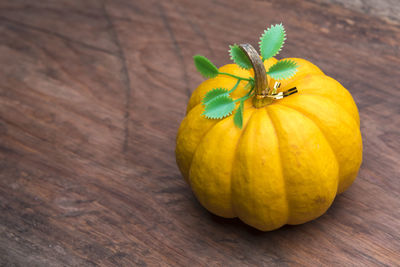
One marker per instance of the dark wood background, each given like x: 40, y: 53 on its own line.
x: 91, y: 97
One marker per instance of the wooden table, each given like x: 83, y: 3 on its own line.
x: 91, y: 97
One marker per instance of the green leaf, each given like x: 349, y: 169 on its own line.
x: 238, y: 117
x: 272, y: 40
x: 239, y: 57
x: 283, y: 69
x: 219, y: 107
x: 205, y: 67
x: 216, y: 92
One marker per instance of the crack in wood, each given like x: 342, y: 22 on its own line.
x: 177, y: 47
x: 125, y: 77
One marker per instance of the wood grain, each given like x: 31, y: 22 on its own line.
x: 91, y: 97
x: 384, y: 9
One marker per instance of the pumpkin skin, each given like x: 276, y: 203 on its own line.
x: 287, y: 163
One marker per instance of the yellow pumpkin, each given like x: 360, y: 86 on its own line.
x: 287, y: 163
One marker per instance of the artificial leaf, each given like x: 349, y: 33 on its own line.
x: 271, y: 41
x: 205, y: 66
x: 283, y: 69
x: 219, y: 107
x: 238, y: 117
x: 239, y: 57
x: 210, y: 95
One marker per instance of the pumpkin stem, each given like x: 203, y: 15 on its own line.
x: 261, y: 88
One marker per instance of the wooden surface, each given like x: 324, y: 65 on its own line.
x: 92, y: 94
x: 388, y: 10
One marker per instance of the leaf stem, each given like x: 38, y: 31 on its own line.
x: 234, y: 87
x: 234, y: 76
x: 247, y: 96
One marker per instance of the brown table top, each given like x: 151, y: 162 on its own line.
x: 91, y: 97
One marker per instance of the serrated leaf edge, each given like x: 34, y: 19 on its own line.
x: 283, y: 41
x: 218, y: 117
x: 206, y: 74
x: 243, y: 66
x: 283, y: 62
x: 226, y: 91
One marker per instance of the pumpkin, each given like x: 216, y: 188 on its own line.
x: 290, y: 159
